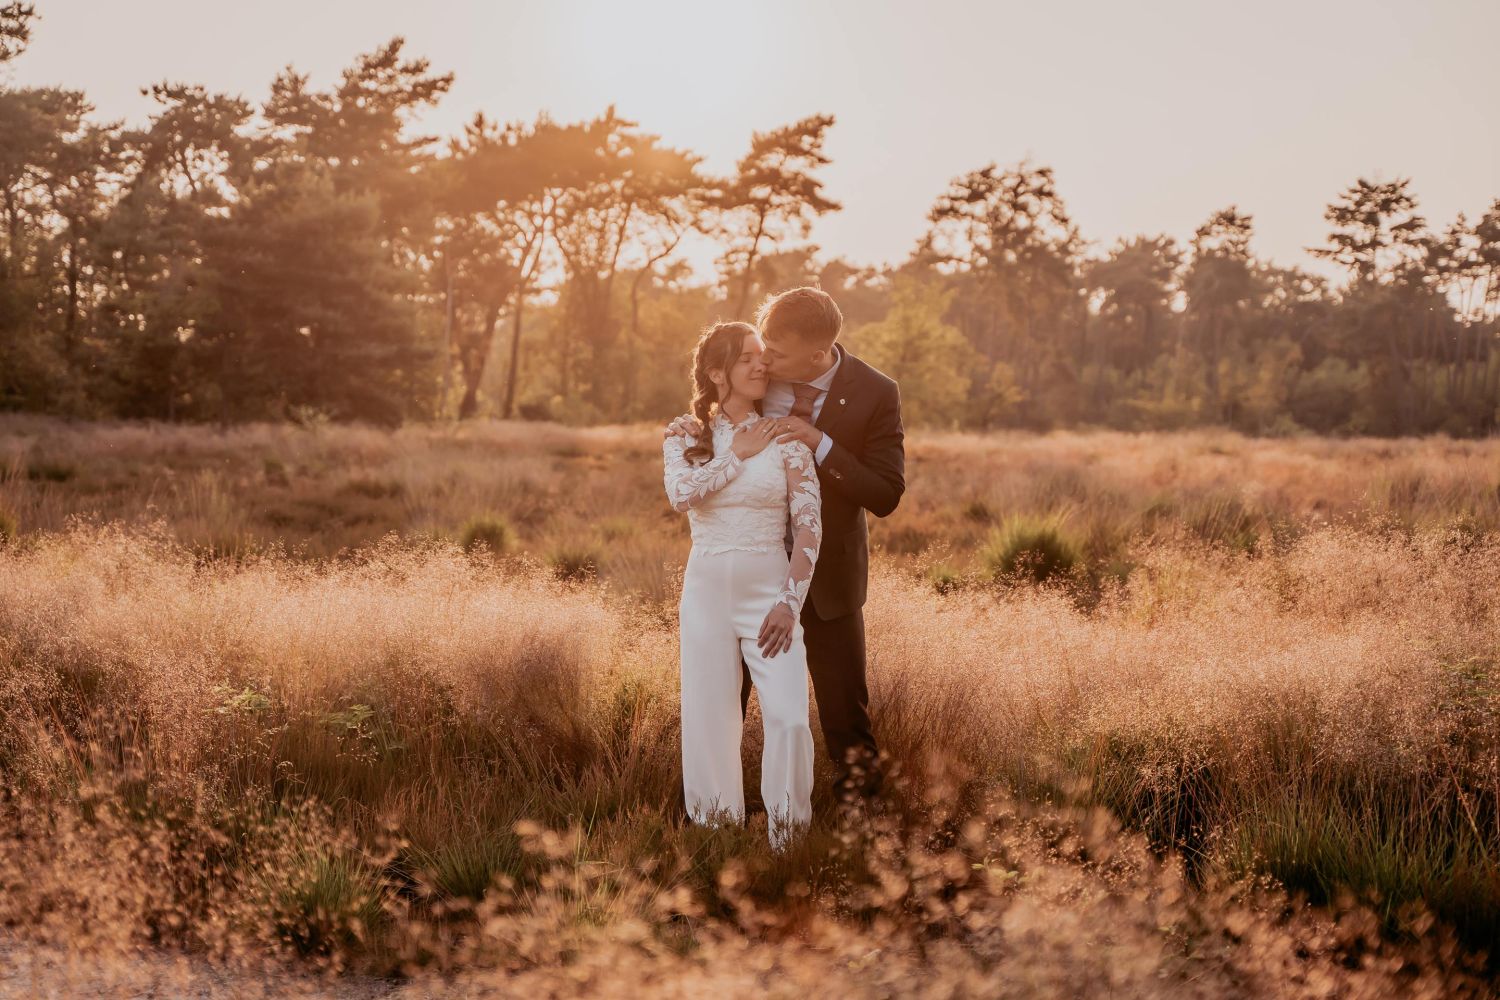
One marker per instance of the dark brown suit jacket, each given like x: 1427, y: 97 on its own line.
x: 864, y: 470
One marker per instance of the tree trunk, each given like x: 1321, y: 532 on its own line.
x: 474, y: 363
x: 633, y: 340
x: 447, y: 334
x: 507, y: 409
x: 70, y: 320
x: 748, y: 277
x: 12, y: 234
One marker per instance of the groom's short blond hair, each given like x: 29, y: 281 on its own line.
x: 808, y: 314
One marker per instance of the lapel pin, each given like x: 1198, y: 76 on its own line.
x: 841, y: 402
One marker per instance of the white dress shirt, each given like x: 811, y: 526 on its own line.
x: 780, y: 397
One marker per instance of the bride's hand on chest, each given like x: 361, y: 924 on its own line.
x: 752, y: 439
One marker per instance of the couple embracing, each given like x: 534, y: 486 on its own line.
x: 790, y: 440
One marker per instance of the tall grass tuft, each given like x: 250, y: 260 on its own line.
x: 1030, y: 547
x: 1224, y: 520
x: 572, y: 562
x: 491, y: 531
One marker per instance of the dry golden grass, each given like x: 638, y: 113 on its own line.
x: 1269, y: 680
x: 598, y: 490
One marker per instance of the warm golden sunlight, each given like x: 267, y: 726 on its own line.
x: 789, y: 499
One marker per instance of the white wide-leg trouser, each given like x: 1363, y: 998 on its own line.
x: 725, y: 598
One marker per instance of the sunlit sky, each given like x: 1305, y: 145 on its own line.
x: 1153, y: 113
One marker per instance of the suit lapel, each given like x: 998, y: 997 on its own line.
x: 835, y: 403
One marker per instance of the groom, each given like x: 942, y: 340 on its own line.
x: 849, y: 414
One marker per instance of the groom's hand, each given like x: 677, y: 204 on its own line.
x: 684, y: 426
x: 798, y: 429
x: 776, y: 630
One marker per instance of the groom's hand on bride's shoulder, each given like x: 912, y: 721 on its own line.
x: 684, y: 426
x: 798, y: 429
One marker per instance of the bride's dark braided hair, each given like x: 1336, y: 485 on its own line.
x: 718, y: 347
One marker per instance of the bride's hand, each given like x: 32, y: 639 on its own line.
x: 751, y: 440
x: 776, y: 630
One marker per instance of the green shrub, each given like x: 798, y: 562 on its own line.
x: 468, y: 866
x: 978, y: 510
x: 944, y: 578
x: 326, y: 903
x: 575, y: 564
x: 490, y: 530
x: 1224, y: 520
x: 1459, y: 531
x: 1030, y: 547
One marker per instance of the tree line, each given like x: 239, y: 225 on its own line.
x: 313, y: 257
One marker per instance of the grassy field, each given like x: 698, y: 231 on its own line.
x: 1172, y: 715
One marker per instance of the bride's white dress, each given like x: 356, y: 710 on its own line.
x: 737, y: 570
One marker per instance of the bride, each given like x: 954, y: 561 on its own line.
x: 741, y: 592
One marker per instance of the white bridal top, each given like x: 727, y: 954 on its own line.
x: 736, y: 505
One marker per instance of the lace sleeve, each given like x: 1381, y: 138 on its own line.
x: 689, y: 485
x: 806, y: 503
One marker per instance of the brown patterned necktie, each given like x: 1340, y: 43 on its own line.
x: 804, y: 394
